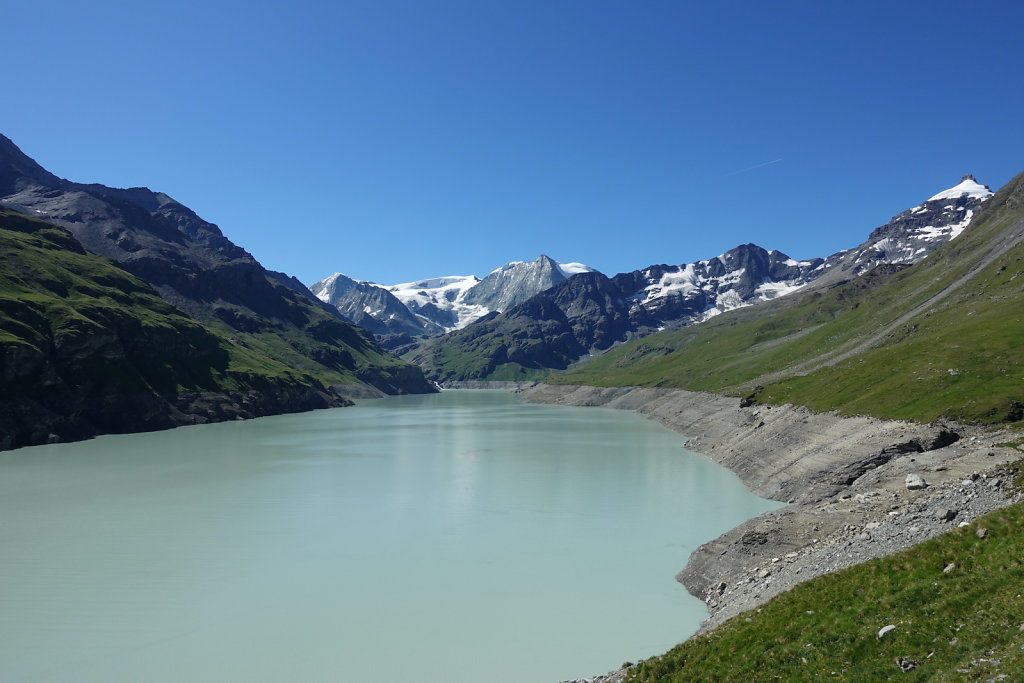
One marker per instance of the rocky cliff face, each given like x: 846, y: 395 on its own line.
x: 549, y: 330
x: 198, y: 270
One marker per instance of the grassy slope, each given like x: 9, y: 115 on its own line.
x: 826, y: 628
x: 54, y: 295
x: 307, y: 338
x: 481, y: 351
x: 958, y: 359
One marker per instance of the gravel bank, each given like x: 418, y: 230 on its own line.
x: 845, y: 479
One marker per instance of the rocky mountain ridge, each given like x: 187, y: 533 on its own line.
x: 912, y: 234
x: 437, y: 305
x: 578, y: 318
x: 372, y: 307
x: 194, y: 267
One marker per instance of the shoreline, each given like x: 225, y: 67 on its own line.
x: 844, y: 479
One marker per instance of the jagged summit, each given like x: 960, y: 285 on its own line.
x: 517, y: 281
x: 590, y: 313
x: 370, y: 306
x: 968, y: 186
x: 445, y: 303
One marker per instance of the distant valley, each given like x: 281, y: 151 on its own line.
x: 273, y: 336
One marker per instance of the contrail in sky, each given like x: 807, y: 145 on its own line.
x: 751, y: 168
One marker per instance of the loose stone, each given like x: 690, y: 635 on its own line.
x: 915, y: 482
x: 906, y: 664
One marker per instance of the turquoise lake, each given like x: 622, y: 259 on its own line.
x: 462, y: 537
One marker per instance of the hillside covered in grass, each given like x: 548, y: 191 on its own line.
x: 87, y: 348
x: 940, y: 339
x: 955, y: 602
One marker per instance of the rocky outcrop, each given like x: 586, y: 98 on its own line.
x: 29, y: 421
x: 114, y: 373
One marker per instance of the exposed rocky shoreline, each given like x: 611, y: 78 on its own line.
x: 845, y: 479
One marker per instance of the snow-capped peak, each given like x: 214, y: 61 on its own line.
x: 567, y: 269
x: 454, y: 301
x: 968, y: 186
x: 570, y: 269
x: 511, y: 265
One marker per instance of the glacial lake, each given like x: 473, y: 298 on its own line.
x: 458, y: 538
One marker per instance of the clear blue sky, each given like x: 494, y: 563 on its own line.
x: 398, y: 140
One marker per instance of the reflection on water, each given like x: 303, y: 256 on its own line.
x: 452, y: 537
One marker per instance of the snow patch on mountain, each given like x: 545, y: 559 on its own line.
x: 968, y: 186
x: 441, y: 300
x: 570, y: 269
x: 913, y: 234
x: 443, y: 304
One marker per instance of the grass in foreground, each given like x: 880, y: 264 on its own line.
x: 965, y: 625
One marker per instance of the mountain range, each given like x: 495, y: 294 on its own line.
x: 590, y: 312
x: 266, y: 335
x: 437, y: 305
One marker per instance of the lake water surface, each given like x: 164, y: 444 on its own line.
x: 459, y: 537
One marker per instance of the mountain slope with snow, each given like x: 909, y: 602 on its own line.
x: 371, y: 307
x: 440, y: 304
x: 565, y: 323
x: 911, y: 235
x: 675, y: 296
x: 518, y: 281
